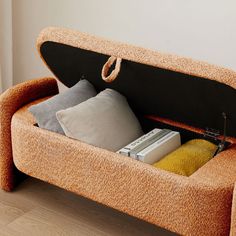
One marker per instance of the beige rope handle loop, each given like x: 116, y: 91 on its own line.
x: 106, y: 67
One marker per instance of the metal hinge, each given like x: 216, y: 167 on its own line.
x: 222, y: 144
x: 214, y: 134
x: 211, y: 133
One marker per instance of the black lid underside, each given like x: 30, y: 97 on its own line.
x: 149, y: 90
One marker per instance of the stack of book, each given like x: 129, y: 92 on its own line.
x: 152, y: 146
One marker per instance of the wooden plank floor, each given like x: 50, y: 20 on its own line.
x: 37, y: 208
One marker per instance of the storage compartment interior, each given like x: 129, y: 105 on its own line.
x: 148, y: 123
x: 183, y: 98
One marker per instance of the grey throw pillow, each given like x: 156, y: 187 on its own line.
x: 45, y: 112
x: 104, y: 121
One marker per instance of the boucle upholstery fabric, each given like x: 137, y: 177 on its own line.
x: 10, y: 101
x: 111, y: 77
x: 137, y: 54
x: 233, y: 214
x: 195, y: 205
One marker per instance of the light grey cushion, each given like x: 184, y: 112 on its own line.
x: 45, y: 112
x: 104, y: 121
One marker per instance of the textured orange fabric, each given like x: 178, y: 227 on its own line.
x: 10, y: 102
x: 196, y: 205
x: 137, y: 54
x: 233, y: 214
x: 199, y: 205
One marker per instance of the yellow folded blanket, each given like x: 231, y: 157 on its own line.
x: 188, y: 158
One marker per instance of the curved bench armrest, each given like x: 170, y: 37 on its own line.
x: 10, y: 101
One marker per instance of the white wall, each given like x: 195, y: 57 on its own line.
x: 203, y: 29
x: 6, y: 69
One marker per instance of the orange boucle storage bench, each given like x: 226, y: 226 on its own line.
x: 164, y: 91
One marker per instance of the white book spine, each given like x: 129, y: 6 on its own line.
x: 126, y: 150
x: 158, y: 136
x: 160, y: 148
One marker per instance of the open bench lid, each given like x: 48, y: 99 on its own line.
x: 163, y: 85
